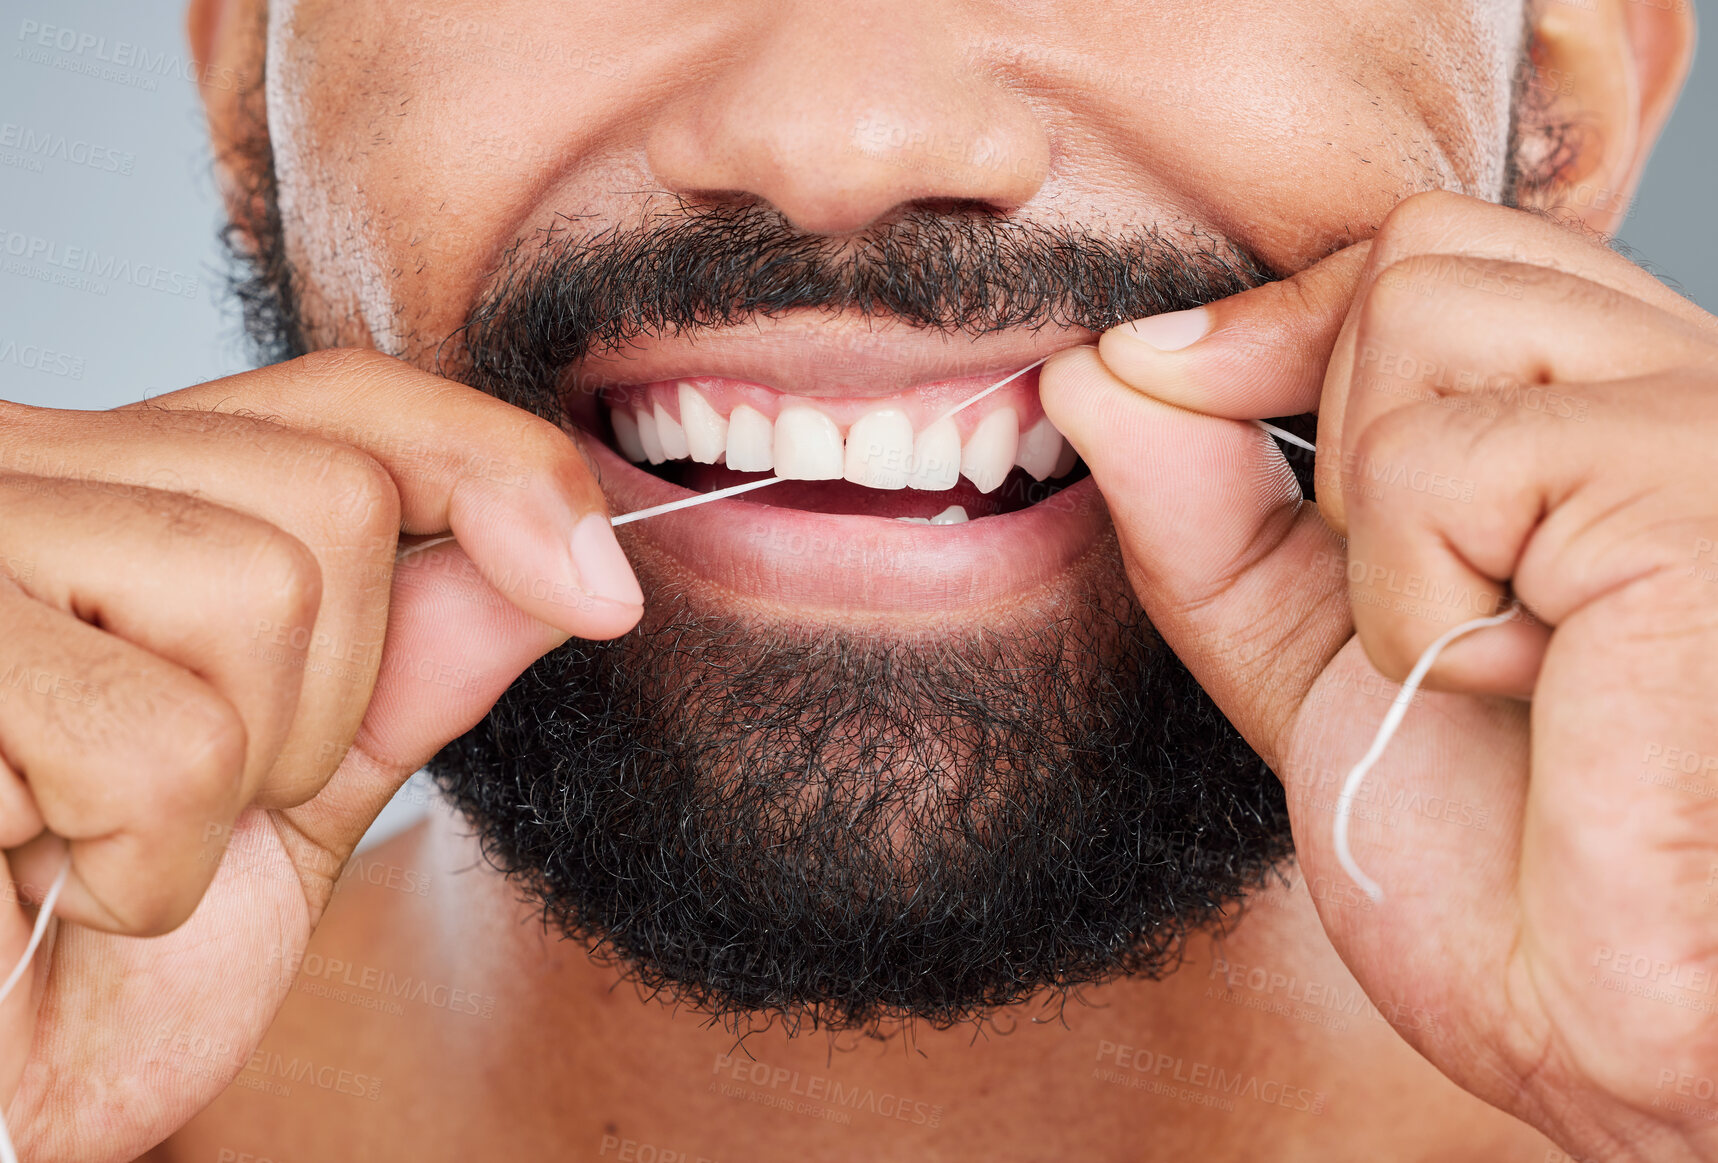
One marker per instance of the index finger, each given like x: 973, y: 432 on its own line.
x: 1254, y: 355
x: 511, y: 487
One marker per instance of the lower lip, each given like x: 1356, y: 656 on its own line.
x: 824, y: 564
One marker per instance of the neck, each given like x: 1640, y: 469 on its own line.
x: 1259, y: 1035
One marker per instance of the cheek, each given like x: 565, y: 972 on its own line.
x: 414, y: 142
x: 1292, y: 125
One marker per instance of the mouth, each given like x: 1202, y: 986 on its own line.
x: 900, y: 457
x: 893, y: 499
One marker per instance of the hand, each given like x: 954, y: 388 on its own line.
x: 1505, y: 408
x: 213, y: 675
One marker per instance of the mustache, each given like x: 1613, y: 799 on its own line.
x: 710, y: 266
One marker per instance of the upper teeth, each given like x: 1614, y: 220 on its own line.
x: 880, y: 450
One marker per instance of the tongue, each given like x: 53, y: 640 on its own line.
x: 846, y: 498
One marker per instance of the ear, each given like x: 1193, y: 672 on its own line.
x: 1606, y: 74
x: 228, y: 43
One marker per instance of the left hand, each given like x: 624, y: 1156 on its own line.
x: 1504, y: 408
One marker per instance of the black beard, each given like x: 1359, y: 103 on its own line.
x: 831, y: 828
x: 844, y: 831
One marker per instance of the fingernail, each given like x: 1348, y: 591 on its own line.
x: 1173, y: 331
x: 603, y: 569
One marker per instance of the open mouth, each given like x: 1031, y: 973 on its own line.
x: 902, y: 456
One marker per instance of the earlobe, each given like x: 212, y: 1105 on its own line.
x: 1606, y: 76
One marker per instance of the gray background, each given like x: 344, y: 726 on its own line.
x: 157, y: 320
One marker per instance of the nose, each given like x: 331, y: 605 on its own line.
x: 839, y: 113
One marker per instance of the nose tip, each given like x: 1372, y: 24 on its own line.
x: 837, y: 124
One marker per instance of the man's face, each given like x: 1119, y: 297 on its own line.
x: 851, y: 768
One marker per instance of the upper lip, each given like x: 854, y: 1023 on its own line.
x: 810, y: 353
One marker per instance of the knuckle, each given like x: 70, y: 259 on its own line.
x: 343, y: 362
x: 524, y: 449
x: 197, y: 759
x: 1425, y: 221
x: 282, y: 579
x: 361, y: 503
x: 1390, y: 438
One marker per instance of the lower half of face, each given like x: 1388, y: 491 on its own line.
x: 894, y: 738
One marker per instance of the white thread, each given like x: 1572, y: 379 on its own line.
x: 1280, y: 434
x: 735, y: 490
x: 999, y: 383
x: 8, y: 1153
x: 688, y: 502
x: 1386, y: 731
x: 406, y: 551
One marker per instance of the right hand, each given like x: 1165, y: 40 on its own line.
x: 205, y: 645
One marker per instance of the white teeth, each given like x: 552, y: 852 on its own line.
x: 626, y: 434
x: 1065, y: 462
x: 989, y: 451
x: 880, y: 449
x: 1040, y: 448
x: 751, y: 439
x: 953, y: 515
x: 672, y: 436
x: 706, y: 429
x: 648, y: 438
x: 936, y: 458
x: 807, y: 445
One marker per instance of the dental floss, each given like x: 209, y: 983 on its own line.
x: 999, y: 383
x: 735, y: 490
x: 8, y: 1153
x: 1281, y: 434
x: 1386, y: 731
x: 688, y: 502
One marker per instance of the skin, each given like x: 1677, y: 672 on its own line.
x: 394, y: 145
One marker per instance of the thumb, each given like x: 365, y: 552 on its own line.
x: 454, y: 644
x: 1244, y: 581
x: 1254, y: 355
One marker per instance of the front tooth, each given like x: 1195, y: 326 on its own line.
x: 671, y: 434
x: 953, y: 515
x: 1065, y: 463
x: 936, y: 458
x: 750, y: 436
x: 989, y: 451
x: 626, y: 434
x: 880, y: 449
x: 648, y: 438
x: 807, y: 445
x: 914, y: 520
x: 1040, y: 448
x: 706, y: 429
